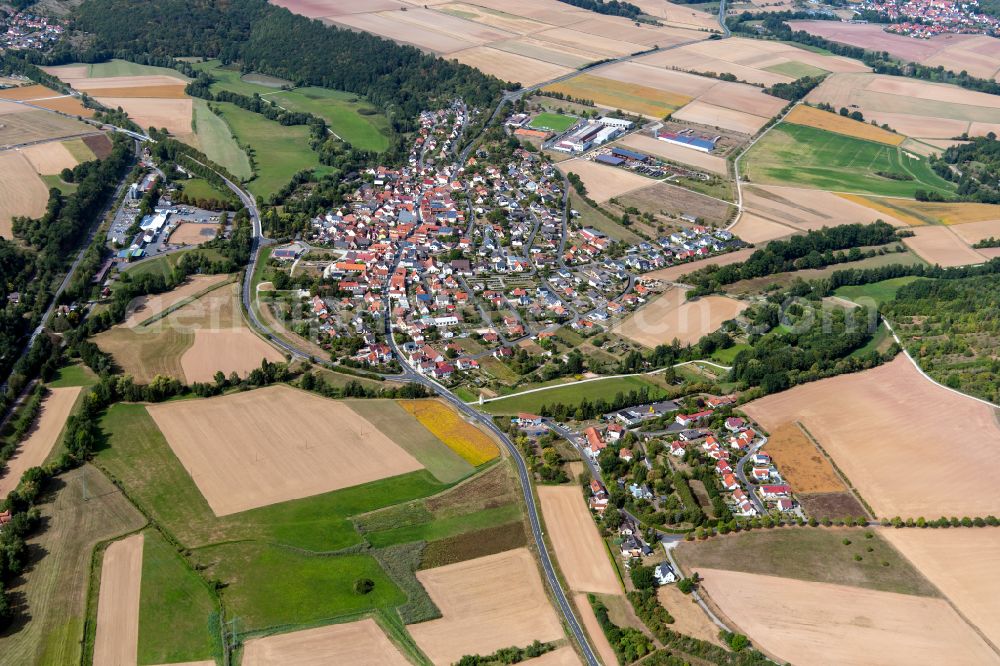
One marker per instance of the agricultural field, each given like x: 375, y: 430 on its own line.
x: 833, y: 122
x: 977, y: 54
x: 973, y: 221
x: 799, y: 209
x: 250, y: 464
x: 795, y: 154
x: 117, y: 638
x: 189, y: 335
x: 465, y: 439
x: 86, y: 509
x: 611, y: 94
x: 875, y: 292
x: 671, y: 316
x: 671, y: 202
x: 578, y: 546
x: 911, y: 107
x: 819, y: 623
x: 602, y: 181
x: 884, y: 429
x: 942, y: 246
x: 42, y: 438
x: 573, y: 394
x: 958, y: 562
x: 672, y: 153
x: 486, y: 603
x: 215, y: 139
x: 361, y: 642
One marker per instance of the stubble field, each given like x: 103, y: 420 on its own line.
x: 603, y: 181
x: 237, y: 448
x: 117, y: 639
x: 578, y: 546
x: 941, y: 245
x: 671, y: 316
x: 42, y: 437
x: 885, y: 428
x: 362, y: 643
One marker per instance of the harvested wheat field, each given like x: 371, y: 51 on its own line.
x: 672, y: 316
x: 896, y: 414
x: 968, y: 220
x: 42, y: 437
x: 229, y: 350
x: 36, y: 125
x: 940, y: 245
x: 22, y: 192
x: 275, y: 444
x: 821, y: 623
x: 593, y: 629
x: 360, y: 643
x: 754, y: 228
x: 834, y: 122
x: 146, y: 307
x: 468, y: 441
x: 962, y: 563
x: 510, y: 66
x: 487, y: 603
x: 603, y: 181
x: 189, y: 233
x: 132, y: 86
x: 391, y: 26
x: 805, y: 209
x: 49, y: 158
x: 675, y: 153
x: 680, y: 15
x: 578, y: 546
x: 800, y: 462
x: 564, y: 656
x: 717, y: 116
x: 26, y: 93
x: 973, y: 232
x: 613, y: 94
x: 117, y: 640
x: 172, y: 114
x: 689, y: 618
x: 675, y: 273
x: 321, y: 8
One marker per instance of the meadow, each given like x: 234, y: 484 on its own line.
x: 573, y: 394
x: 824, y: 160
x: 217, y: 142
x: 879, y: 292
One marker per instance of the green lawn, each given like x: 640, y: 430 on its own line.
x: 572, y: 394
x: 825, y: 160
x: 879, y: 292
x: 342, y: 112
x: 555, y: 122
x: 796, y: 69
x: 164, y: 264
x: 280, y: 151
x: 74, y: 375
x: 138, y: 455
x: 879, y: 342
x: 726, y: 356
x: 53, y: 180
x: 178, y: 617
x: 199, y: 188
x: 271, y: 586
x: 230, y: 79
x: 217, y: 142
x: 400, y: 426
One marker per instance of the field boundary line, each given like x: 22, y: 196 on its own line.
x: 843, y: 477
x: 183, y: 302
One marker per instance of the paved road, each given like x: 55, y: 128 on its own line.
x: 750, y: 485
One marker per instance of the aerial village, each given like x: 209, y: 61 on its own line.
x: 923, y: 19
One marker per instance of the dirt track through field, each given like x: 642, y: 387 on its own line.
x: 487, y: 603
x: 33, y: 451
x: 893, y: 434
x: 275, y: 444
x: 821, y: 623
x: 361, y: 643
x: 145, y: 307
x: 579, y: 548
x: 117, y: 641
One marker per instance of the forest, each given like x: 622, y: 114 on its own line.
x: 975, y: 166
x: 400, y: 80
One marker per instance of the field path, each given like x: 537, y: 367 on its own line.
x: 117, y: 642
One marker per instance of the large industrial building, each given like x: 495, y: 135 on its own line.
x: 590, y: 134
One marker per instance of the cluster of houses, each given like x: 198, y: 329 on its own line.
x: 923, y: 19
x: 29, y: 31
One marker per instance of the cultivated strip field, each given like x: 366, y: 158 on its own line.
x: 33, y: 451
x: 252, y: 449
x: 117, y: 640
x: 671, y: 316
x: 961, y: 563
x: 821, y: 623
x: 834, y: 122
x: 361, y: 643
x: 890, y: 450
x: 579, y: 548
x: 940, y: 245
x: 487, y: 603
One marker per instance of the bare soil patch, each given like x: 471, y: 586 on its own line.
x: 689, y: 618
x: 25, y: 93
x: 362, y: 643
x: 238, y: 350
x: 821, y: 623
x: 674, y: 273
x: 564, y: 656
x: 800, y: 462
x: 579, y: 548
x: 100, y: 144
x: 33, y: 451
x: 22, y: 192
x: 870, y: 422
x: 962, y: 563
x: 487, y: 603
x: 271, y: 445
x: 117, y: 641
x: 830, y: 505
x: 66, y: 104
x: 671, y: 317
x: 602, y: 181
x: 754, y: 228
x: 189, y: 233
x: 940, y: 245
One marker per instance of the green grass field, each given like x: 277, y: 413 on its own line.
x: 554, y: 122
x: 443, y: 528
x: 178, y: 616
x: 217, y: 141
x: 796, y: 69
x: 100, y: 70
x: 811, y: 554
x: 796, y: 154
x: 164, y: 264
x: 280, y: 151
x: 53, y: 180
x: 726, y: 356
x: 74, y: 375
x: 572, y: 394
x: 199, y: 188
x: 879, y: 292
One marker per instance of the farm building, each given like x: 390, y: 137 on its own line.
x: 590, y: 134
x: 609, y: 159
x: 688, y: 140
x: 626, y: 154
